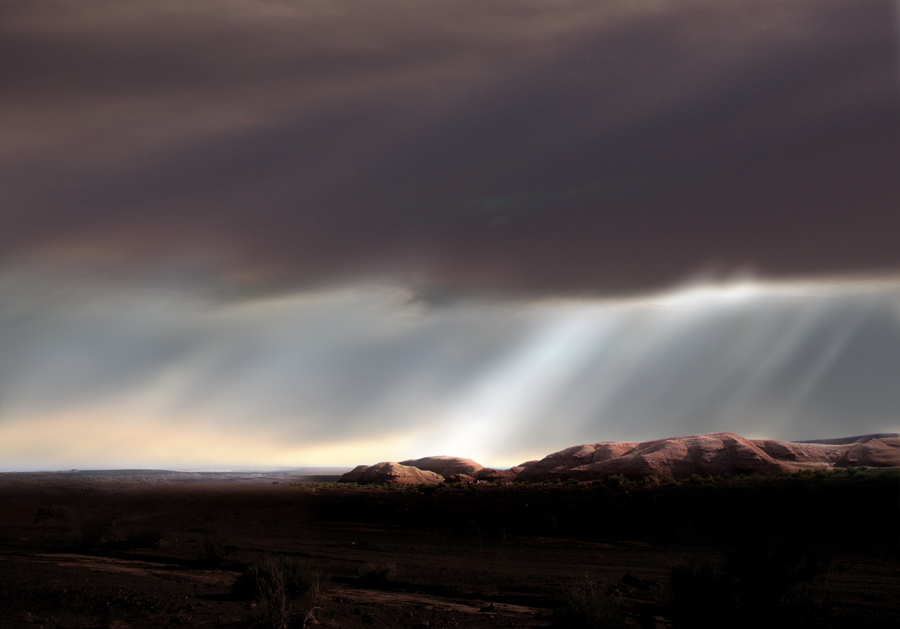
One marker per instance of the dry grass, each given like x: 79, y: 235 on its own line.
x: 289, y: 592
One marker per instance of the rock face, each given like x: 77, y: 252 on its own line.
x: 815, y: 453
x: 719, y: 453
x: 710, y: 454
x: 498, y: 476
x: 558, y: 464
x: 871, y: 452
x: 445, y: 465
x: 390, y: 472
x: 354, y: 475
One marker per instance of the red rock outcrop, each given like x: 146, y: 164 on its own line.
x: 711, y: 454
x: 871, y: 452
x: 788, y: 451
x: 497, y: 476
x: 354, y: 475
x: 556, y: 464
x: 445, y: 465
x: 390, y: 472
x: 720, y: 453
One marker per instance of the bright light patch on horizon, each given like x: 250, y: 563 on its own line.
x: 126, y: 436
x: 707, y: 295
x: 366, y: 373
x: 521, y: 384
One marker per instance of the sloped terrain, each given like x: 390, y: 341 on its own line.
x: 445, y: 465
x: 390, y: 472
x: 714, y: 454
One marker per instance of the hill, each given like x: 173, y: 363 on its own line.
x: 713, y: 454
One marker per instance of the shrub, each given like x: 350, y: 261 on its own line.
x: 142, y: 539
x: 213, y: 552
x: 585, y: 606
x: 618, y: 484
x: 702, y: 595
x: 92, y: 530
x: 761, y: 584
x: 377, y: 574
x: 427, y: 489
x: 288, y: 591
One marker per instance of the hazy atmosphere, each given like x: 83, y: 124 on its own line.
x: 286, y: 233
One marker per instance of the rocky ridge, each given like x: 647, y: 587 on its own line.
x: 720, y: 453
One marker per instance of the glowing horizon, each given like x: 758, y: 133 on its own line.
x: 347, y: 376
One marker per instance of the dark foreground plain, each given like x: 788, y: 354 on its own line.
x: 153, y: 549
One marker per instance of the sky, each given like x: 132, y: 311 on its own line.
x: 330, y: 232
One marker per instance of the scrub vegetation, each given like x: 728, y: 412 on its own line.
x: 803, y: 549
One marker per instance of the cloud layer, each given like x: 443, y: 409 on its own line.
x: 164, y: 379
x: 520, y: 147
x: 307, y: 231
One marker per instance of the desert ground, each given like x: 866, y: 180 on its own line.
x: 154, y: 548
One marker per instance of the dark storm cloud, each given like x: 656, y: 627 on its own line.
x: 471, y: 146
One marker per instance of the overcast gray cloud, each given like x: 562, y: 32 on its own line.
x: 378, y: 371
x: 302, y: 231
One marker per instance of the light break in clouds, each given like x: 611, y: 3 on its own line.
x: 161, y: 378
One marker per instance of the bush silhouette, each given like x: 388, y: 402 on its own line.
x: 764, y: 583
x: 289, y: 592
x: 585, y: 606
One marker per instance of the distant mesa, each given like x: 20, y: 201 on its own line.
x: 714, y: 454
